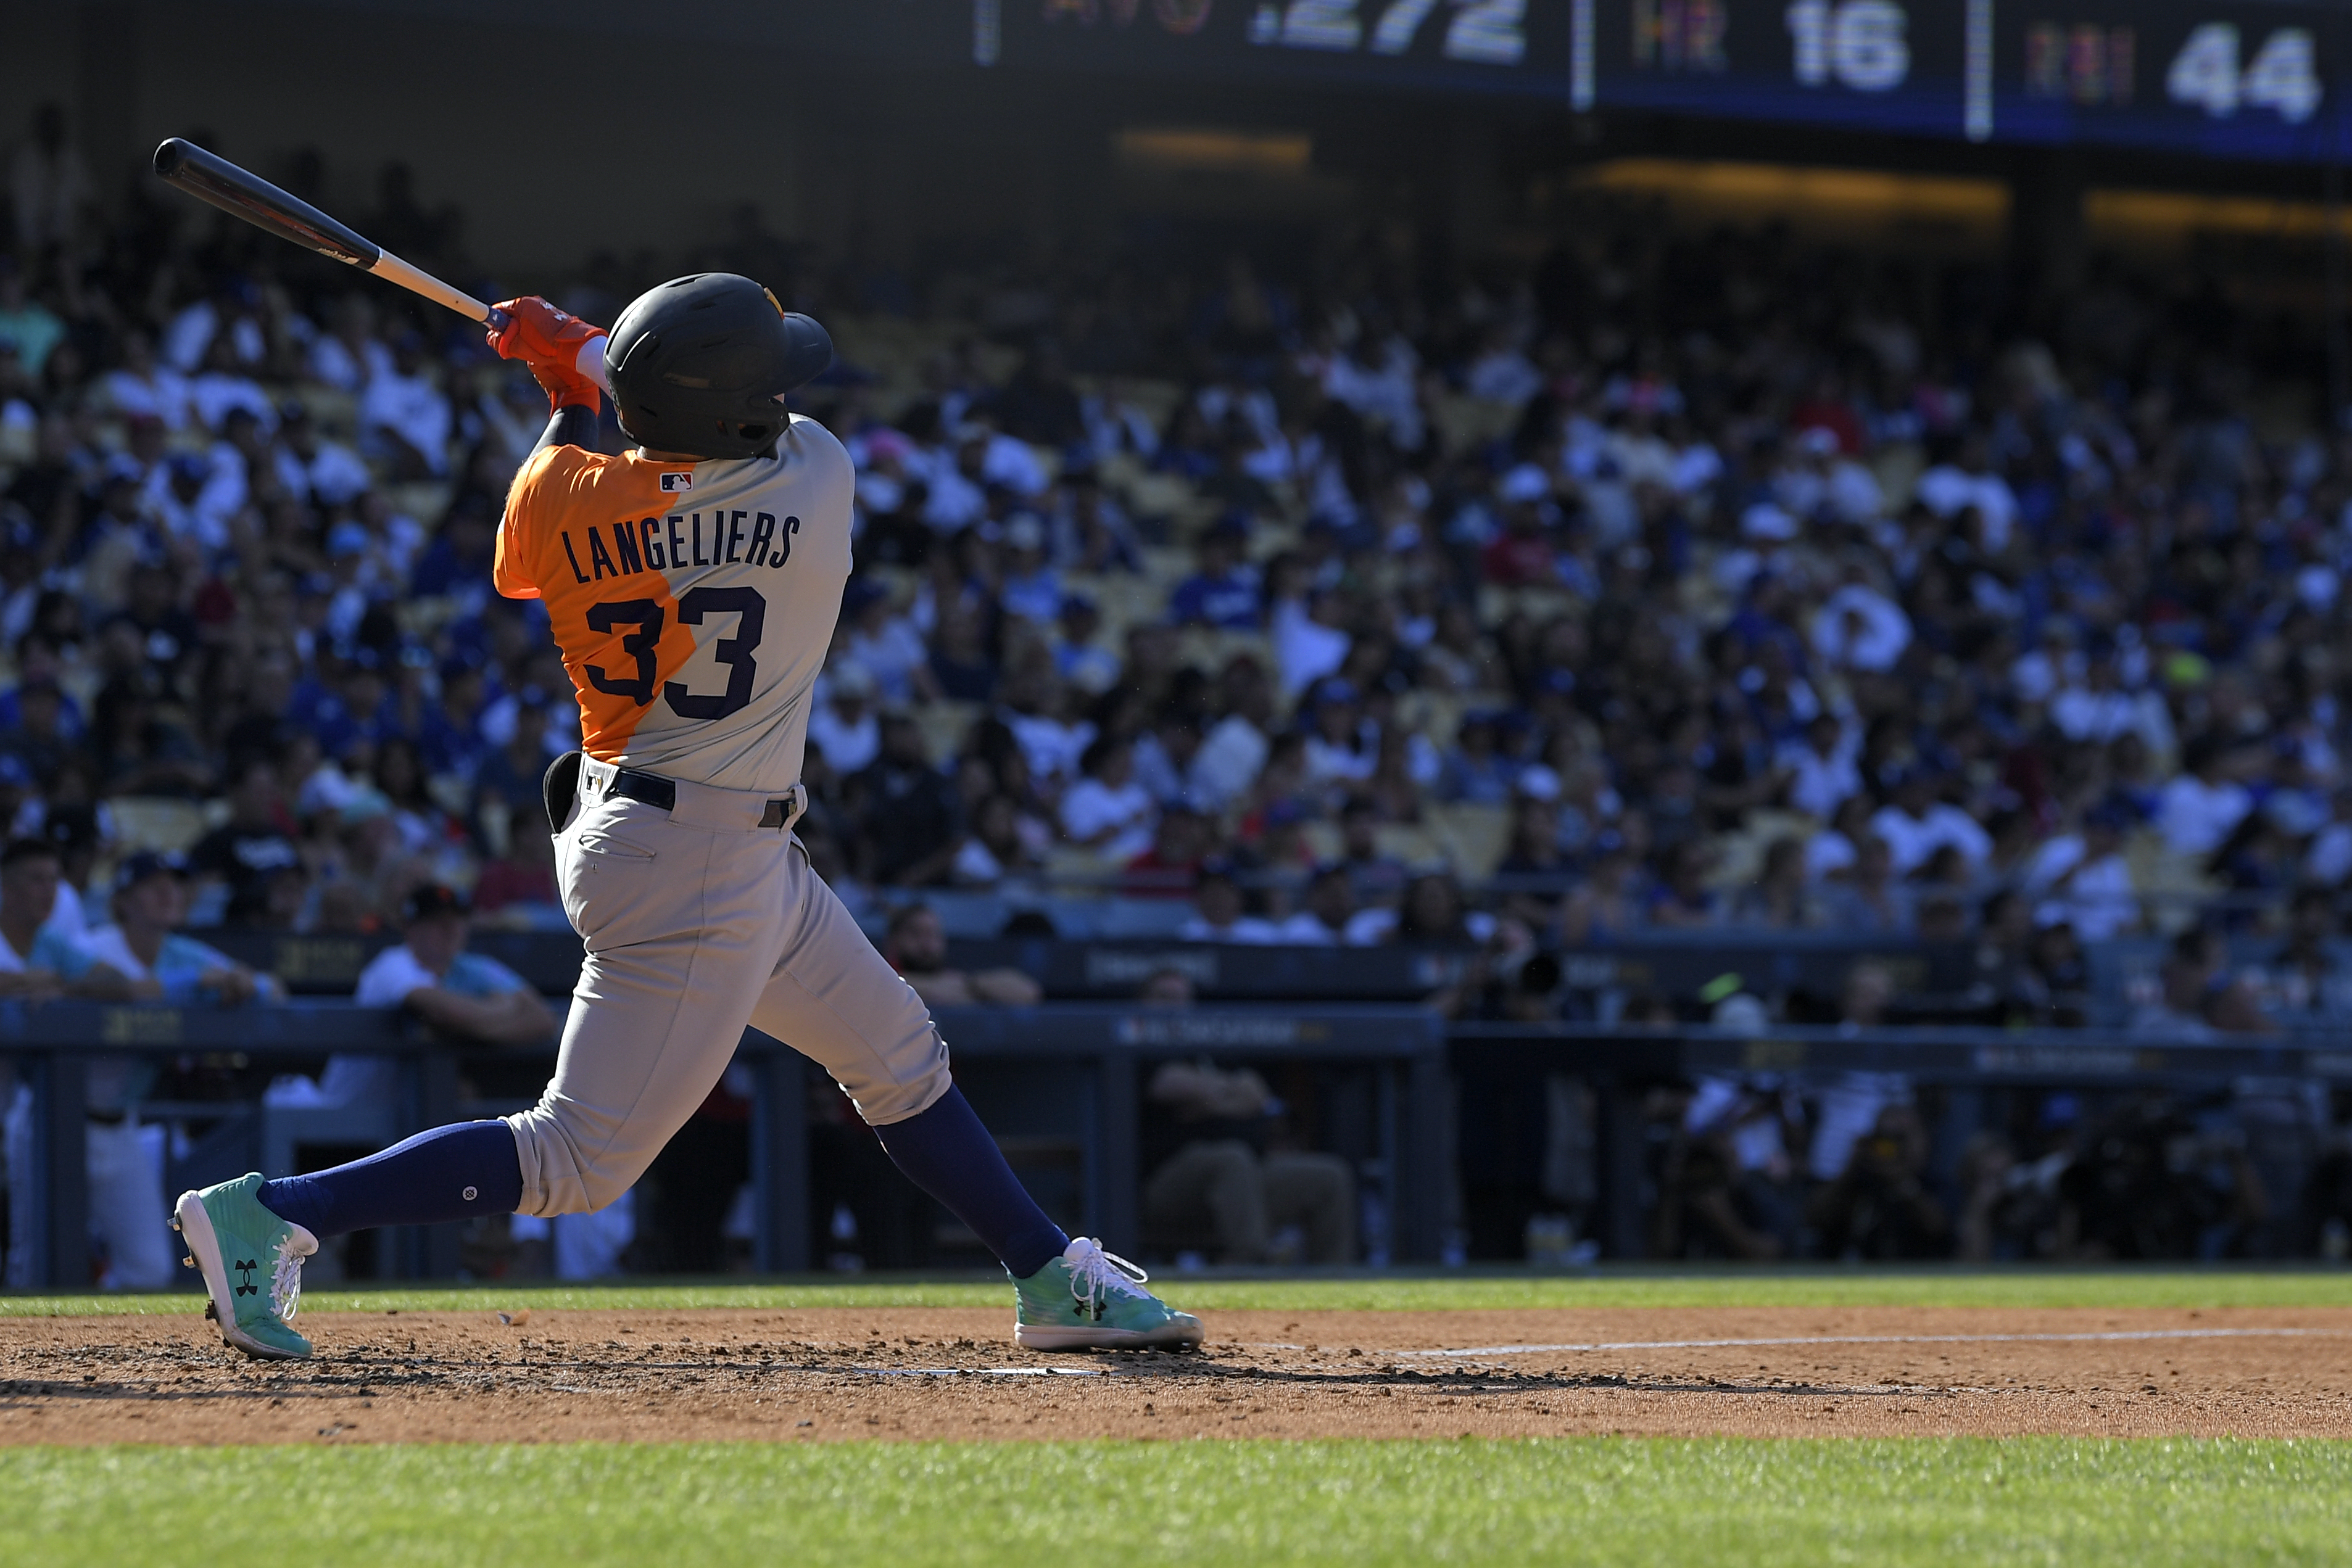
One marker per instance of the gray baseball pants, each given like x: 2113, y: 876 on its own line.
x: 698, y: 921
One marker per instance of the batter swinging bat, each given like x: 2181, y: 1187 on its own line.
x: 264, y: 206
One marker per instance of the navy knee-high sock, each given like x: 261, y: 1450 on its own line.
x: 947, y: 1153
x: 450, y: 1172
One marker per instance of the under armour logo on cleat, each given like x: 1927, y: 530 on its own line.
x: 245, y: 1266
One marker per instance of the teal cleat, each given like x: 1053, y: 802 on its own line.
x: 252, y: 1263
x: 1088, y: 1299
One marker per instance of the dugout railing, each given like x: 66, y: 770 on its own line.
x: 1067, y: 1072
x: 1622, y: 1065
x: 1072, y: 1072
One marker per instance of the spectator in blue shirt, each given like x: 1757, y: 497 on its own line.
x: 430, y: 974
x: 141, y: 956
x: 1224, y: 592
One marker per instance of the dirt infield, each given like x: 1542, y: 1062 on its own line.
x: 950, y: 1374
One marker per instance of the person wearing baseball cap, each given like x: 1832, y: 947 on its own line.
x: 139, y: 958
x: 144, y: 956
x: 30, y: 938
x: 432, y: 974
x: 429, y: 973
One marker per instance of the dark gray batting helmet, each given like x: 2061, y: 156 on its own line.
x: 701, y: 365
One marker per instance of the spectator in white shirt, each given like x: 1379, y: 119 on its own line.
x: 1950, y: 489
x: 1013, y: 463
x: 404, y: 416
x: 2200, y: 808
x: 1378, y: 381
x: 1106, y: 811
x: 1915, y: 824
x: 145, y: 386
x: 956, y: 496
x: 174, y: 495
x: 995, y: 848
x: 1236, y: 747
x: 1860, y: 628
x: 1823, y: 773
x: 327, y: 473
x: 1501, y: 373
x: 350, y: 357
x: 1854, y: 497
x: 223, y: 320
x: 1306, y: 643
x: 1115, y: 424
x: 2097, y: 708
x: 224, y: 386
x: 1341, y: 747
x: 2328, y: 861
x: 885, y: 643
x: 2082, y: 879
x: 2055, y: 662
x: 843, y: 729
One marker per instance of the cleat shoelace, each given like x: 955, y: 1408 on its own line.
x: 1095, y: 1273
x: 286, y: 1281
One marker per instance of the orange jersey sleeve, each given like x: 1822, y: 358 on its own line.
x: 544, y: 475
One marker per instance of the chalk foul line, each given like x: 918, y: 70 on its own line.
x: 2108, y: 1336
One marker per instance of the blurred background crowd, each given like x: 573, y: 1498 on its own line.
x: 1664, y: 578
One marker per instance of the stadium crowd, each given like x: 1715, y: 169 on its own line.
x: 1669, y: 581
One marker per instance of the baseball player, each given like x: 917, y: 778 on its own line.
x: 692, y: 584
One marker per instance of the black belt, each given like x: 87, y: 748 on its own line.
x: 650, y: 788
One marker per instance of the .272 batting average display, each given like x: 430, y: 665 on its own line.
x: 2235, y: 77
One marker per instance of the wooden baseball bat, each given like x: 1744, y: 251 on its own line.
x: 246, y: 195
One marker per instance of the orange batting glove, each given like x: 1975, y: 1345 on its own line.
x: 552, y: 342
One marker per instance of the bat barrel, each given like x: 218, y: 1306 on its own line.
x: 243, y: 194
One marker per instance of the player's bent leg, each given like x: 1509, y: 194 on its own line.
x: 682, y: 934
x: 654, y: 1035
x: 683, y: 923
x: 833, y: 1000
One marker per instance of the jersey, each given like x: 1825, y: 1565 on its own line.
x: 693, y: 601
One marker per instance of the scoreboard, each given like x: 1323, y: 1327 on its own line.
x: 2257, y: 78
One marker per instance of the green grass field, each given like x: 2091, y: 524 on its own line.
x: 1603, y: 1500
x: 1563, y: 1501
x: 1833, y: 1287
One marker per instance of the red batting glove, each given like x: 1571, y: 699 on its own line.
x: 549, y: 341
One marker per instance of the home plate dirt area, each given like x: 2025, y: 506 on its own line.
x: 933, y: 1373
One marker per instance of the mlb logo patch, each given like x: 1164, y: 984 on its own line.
x: 673, y: 483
